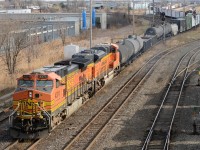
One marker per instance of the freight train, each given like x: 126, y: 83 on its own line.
x: 185, y: 20
x: 46, y: 96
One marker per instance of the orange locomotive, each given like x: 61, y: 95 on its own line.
x: 49, y: 94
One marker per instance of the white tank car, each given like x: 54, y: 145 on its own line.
x: 174, y: 29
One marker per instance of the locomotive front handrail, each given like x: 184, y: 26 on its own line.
x: 13, y: 112
x: 47, y: 114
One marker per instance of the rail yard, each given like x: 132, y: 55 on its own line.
x: 130, y: 120
x: 140, y: 92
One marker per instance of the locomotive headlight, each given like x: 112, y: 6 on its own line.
x: 30, y: 94
x: 18, y: 113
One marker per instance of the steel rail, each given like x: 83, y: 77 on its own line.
x: 147, y: 140
x: 117, y: 111
x: 4, y: 113
x: 110, y: 101
x: 12, y: 145
x: 146, y: 143
x: 30, y: 146
x: 33, y: 145
x: 167, y: 142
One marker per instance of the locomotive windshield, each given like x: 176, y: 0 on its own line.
x: 44, y: 85
x: 25, y: 83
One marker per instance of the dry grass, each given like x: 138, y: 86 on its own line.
x: 48, y: 53
x: 184, y: 37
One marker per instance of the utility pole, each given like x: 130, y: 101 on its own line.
x: 133, y: 19
x: 184, y: 7
x: 129, y: 4
x: 171, y: 9
x: 153, y: 14
x: 164, y: 30
x: 90, y: 23
x: 146, y: 7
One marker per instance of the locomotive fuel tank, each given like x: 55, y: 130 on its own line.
x: 129, y: 47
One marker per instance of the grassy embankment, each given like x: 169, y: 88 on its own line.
x: 50, y: 52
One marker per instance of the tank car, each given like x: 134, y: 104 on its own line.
x: 154, y: 31
x: 159, y: 31
x: 167, y: 29
x: 174, y: 29
x: 129, y: 48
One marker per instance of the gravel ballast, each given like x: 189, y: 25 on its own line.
x: 128, y: 129
x: 129, y: 126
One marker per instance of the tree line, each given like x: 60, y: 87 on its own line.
x: 14, y: 39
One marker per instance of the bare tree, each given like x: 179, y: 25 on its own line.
x: 16, y: 3
x: 13, y: 40
x: 62, y: 28
x: 39, y: 3
x: 29, y: 53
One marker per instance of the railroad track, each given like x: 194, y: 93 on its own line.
x: 12, y: 145
x: 88, y: 135
x: 23, y: 145
x: 152, y: 63
x: 159, y: 134
x: 4, y: 115
x: 161, y: 55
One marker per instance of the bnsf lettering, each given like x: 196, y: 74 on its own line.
x: 28, y: 103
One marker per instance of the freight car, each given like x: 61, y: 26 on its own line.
x: 184, y: 20
x: 46, y: 96
x: 129, y: 48
x: 162, y: 30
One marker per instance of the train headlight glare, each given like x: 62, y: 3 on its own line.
x: 18, y: 113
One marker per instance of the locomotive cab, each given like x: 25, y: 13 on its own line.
x: 31, y: 102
